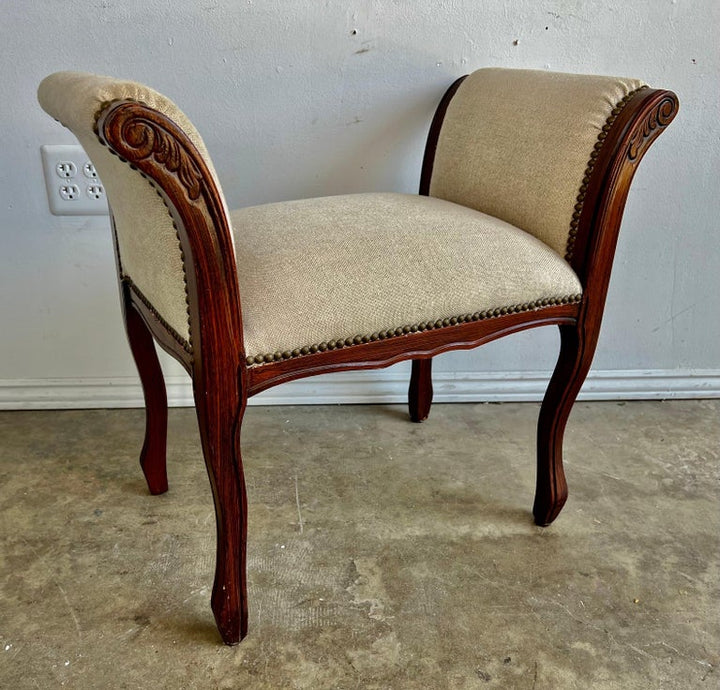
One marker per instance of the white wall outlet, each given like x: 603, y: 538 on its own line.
x: 73, y: 185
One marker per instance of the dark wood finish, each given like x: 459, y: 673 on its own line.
x: 420, y: 393
x: 152, y: 456
x: 383, y: 353
x: 222, y: 380
x: 157, y: 147
x: 434, y: 136
x: 639, y: 123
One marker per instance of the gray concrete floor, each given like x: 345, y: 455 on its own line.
x: 382, y: 554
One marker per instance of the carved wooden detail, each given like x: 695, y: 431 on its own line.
x: 659, y: 117
x: 223, y: 379
x: 157, y: 147
x: 594, y: 154
x: 139, y: 136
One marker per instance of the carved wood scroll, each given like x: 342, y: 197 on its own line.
x: 659, y: 117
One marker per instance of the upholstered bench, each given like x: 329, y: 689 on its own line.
x: 522, y: 191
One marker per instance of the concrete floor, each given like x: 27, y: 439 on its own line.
x: 382, y: 554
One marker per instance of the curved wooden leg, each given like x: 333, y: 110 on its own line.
x: 570, y: 372
x: 220, y: 411
x: 421, y: 391
x: 152, y: 456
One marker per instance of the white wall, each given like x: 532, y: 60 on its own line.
x: 298, y: 98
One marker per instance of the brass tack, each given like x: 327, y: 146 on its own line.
x: 268, y: 358
x: 382, y: 335
x: 366, y: 339
x: 349, y: 341
x: 249, y: 360
x: 313, y: 348
x: 296, y: 352
x: 503, y: 311
x: 357, y: 339
x: 305, y: 350
x: 439, y: 323
x: 413, y: 328
x: 287, y: 354
x: 406, y: 329
x: 398, y: 331
x: 322, y: 347
x: 277, y: 356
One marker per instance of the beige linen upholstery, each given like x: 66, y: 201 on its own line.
x: 318, y: 270
x: 516, y: 143
x: 149, y: 248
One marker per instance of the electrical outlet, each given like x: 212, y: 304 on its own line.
x: 73, y: 185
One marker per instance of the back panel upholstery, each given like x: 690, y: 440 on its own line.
x: 516, y: 144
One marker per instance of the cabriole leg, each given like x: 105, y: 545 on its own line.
x: 570, y: 372
x: 421, y: 391
x: 152, y: 457
x: 220, y: 418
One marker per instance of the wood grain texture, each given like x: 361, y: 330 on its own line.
x: 639, y: 123
x: 162, y: 152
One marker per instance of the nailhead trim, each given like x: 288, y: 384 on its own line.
x: 183, y: 343
x: 580, y: 200
x: 186, y: 344
x: 414, y: 328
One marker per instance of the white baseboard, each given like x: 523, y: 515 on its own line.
x: 378, y: 386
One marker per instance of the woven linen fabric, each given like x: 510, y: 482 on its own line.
x: 316, y: 270
x: 515, y: 144
x: 148, y: 244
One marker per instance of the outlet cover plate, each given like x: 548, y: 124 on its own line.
x: 72, y: 183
